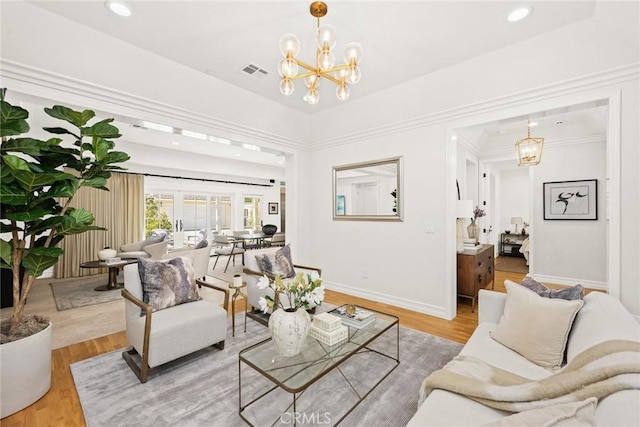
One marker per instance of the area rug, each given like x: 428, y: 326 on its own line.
x: 512, y: 264
x: 202, y: 390
x: 79, y: 292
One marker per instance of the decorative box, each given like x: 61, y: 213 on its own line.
x: 329, y: 337
x: 326, y: 321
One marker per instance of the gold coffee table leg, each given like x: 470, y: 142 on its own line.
x: 234, y: 297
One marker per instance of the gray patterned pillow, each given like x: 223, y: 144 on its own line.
x: 574, y: 292
x: 166, y: 284
x: 278, y: 264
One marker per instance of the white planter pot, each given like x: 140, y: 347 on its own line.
x: 105, y: 254
x: 25, y: 371
x: 289, y: 329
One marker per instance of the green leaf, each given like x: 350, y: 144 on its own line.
x: 31, y: 181
x: 66, y: 188
x: 30, y: 146
x: 61, y: 131
x: 116, y: 157
x: 100, y: 183
x: 9, y: 195
x: 102, y: 129
x: 5, y: 251
x: 31, y: 215
x: 76, y: 221
x: 76, y: 118
x: 15, y: 162
x: 12, y: 118
x: 37, y: 260
x: 100, y: 148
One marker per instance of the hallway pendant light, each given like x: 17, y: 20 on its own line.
x: 342, y: 75
x: 529, y: 149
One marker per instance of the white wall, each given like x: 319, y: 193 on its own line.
x: 515, y: 191
x: 571, y: 251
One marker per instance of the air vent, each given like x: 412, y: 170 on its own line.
x: 254, y: 71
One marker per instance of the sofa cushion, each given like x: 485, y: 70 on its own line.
x: 536, y: 327
x: 573, y: 414
x: 602, y: 318
x: 202, y: 244
x: 166, y: 284
x: 278, y: 263
x: 155, y: 237
x: 573, y: 292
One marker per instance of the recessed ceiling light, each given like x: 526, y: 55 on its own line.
x: 532, y: 124
x: 519, y: 14
x: 175, y: 143
x: 118, y: 7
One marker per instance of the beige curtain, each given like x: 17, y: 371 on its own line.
x: 120, y: 210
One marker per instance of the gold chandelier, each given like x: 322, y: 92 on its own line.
x: 529, y: 149
x: 341, y: 75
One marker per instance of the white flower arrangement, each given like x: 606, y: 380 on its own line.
x: 295, y: 293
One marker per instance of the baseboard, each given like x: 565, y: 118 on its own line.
x: 601, y: 286
x: 394, y: 300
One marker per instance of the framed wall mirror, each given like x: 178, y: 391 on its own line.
x: 368, y: 191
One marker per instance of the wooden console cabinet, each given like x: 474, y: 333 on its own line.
x: 475, y: 272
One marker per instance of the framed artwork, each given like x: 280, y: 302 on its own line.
x: 340, y: 205
x: 577, y: 200
x: 273, y: 208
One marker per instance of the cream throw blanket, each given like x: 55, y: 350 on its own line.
x: 597, y: 372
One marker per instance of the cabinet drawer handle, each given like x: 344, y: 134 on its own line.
x: 479, y: 264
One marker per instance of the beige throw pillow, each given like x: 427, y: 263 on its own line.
x: 534, y: 326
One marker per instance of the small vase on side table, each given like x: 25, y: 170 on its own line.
x: 473, y: 230
x: 289, y: 329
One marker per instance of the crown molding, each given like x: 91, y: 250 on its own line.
x: 594, y: 81
x: 49, y: 85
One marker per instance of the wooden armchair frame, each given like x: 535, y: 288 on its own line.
x: 144, y: 370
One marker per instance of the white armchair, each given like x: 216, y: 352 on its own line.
x: 158, y: 337
x: 252, y: 274
x: 152, y: 247
x: 199, y: 257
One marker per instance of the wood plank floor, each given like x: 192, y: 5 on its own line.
x: 61, y: 406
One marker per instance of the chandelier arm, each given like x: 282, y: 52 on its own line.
x: 303, y: 75
x: 329, y: 77
x: 305, y: 65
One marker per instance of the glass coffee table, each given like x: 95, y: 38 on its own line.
x: 320, y: 385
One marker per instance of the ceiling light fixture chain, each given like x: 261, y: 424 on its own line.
x: 341, y: 75
x: 529, y: 149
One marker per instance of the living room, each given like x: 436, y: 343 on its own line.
x: 583, y: 59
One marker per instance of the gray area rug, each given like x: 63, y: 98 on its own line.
x: 202, y: 389
x: 79, y: 292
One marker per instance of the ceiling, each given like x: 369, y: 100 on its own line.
x: 401, y: 40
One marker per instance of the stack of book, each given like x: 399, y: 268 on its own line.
x: 359, y: 319
x: 470, y: 245
x: 111, y: 261
x: 328, y: 329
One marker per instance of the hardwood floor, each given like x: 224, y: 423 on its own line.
x: 61, y: 406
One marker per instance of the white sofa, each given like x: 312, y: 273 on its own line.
x: 601, y: 318
x: 199, y: 257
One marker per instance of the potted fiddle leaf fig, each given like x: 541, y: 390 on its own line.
x: 38, y: 181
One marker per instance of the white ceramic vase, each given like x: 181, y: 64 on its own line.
x: 289, y: 329
x: 26, y: 371
x: 106, y: 253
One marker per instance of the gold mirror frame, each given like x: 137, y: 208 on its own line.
x: 376, y: 173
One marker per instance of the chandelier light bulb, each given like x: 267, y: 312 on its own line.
x: 312, y: 97
x: 312, y: 80
x: 352, y: 53
x: 354, y: 75
x: 286, y: 86
x: 287, y: 67
x: 342, y: 92
x: 289, y: 45
x: 326, y: 59
x: 326, y: 37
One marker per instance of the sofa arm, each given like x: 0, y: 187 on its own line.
x: 132, y: 247
x: 490, y: 305
x: 156, y: 250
